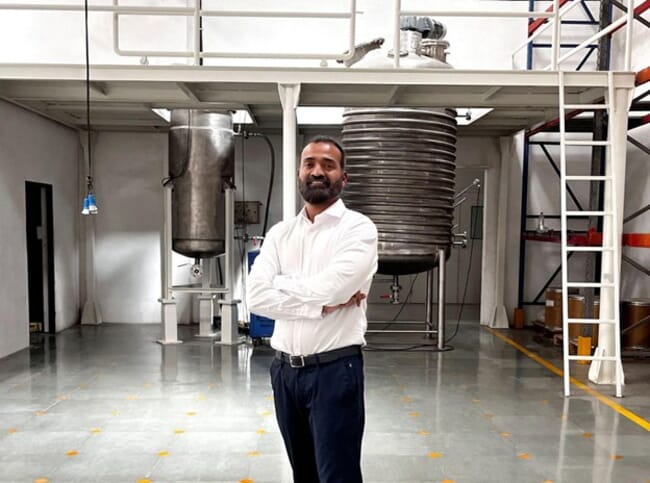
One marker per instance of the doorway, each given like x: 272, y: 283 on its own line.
x: 40, y: 256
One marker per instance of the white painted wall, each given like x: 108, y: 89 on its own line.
x: 35, y: 149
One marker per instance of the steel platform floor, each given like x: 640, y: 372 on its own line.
x: 108, y: 404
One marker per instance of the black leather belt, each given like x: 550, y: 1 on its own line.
x: 320, y: 358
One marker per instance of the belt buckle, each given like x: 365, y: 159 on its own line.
x: 297, y: 362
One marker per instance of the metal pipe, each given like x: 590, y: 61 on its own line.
x: 442, y: 263
x: 289, y: 95
x: 230, y: 224
x: 197, y: 32
x: 476, y: 13
x: 555, y: 42
x: 637, y: 213
x: 628, y: 35
x: 396, y: 35
x: 636, y: 143
x: 636, y: 265
x: 404, y: 331
x: 428, y: 323
x: 596, y: 36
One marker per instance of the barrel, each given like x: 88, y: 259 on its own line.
x: 553, y: 309
x: 634, y: 311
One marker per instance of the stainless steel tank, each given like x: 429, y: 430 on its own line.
x: 201, y: 165
x: 401, y: 163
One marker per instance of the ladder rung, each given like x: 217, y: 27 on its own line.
x: 586, y: 107
x: 589, y: 285
x: 588, y: 213
x: 569, y: 142
x: 593, y: 358
x: 587, y: 178
x: 591, y: 321
x: 589, y: 249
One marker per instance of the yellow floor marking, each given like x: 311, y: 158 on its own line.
x: 564, y: 416
x: 146, y: 384
x: 523, y: 456
x: 253, y: 454
x: 423, y: 433
x: 72, y: 453
x: 132, y: 398
x: 435, y: 455
x: 202, y: 397
x: 414, y: 415
x: 587, y: 435
x: 83, y: 386
x: 163, y: 454
x: 635, y: 418
x: 544, y: 401
x: 96, y: 430
x: 145, y: 480
x: 265, y: 413
x: 41, y: 413
x: 246, y: 480
x: 63, y: 398
x: 179, y: 431
x: 476, y: 401
x: 489, y: 415
x: 548, y: 481
x: 12, y: 431
x: 115, y: 413
x: 616, y: 457
x: 270, y: 398
x: 191, y: 413
x: 505, y: 434
x: 448, y: 481
x: 261, y: 431
x: 41, y: 480
x: 407, y: 399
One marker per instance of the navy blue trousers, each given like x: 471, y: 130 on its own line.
x: 321, y: 415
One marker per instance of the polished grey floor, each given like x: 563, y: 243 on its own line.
x: 108, y: 404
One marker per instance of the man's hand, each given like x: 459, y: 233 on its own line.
x: 354, y: 300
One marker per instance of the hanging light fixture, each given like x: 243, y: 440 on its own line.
x: 89, y: 204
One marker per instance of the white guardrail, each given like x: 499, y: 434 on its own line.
x: 554, y: 22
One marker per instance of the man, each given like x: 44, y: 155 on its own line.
x: 312, y: 275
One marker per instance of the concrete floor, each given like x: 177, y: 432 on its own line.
x: 108, y: 404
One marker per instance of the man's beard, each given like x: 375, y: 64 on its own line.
x: 320, y: 194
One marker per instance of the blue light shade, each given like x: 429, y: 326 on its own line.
x: 86, y: 207
x: 92, y: 206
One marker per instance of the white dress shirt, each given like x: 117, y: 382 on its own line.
x: 304, y: 266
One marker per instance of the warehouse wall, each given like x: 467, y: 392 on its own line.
x: 35, y: 149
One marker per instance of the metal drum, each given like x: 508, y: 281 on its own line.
x: 401, y: 164
x: 576, y: 311
x: 553, y: 307
x: 201, y: 165
x: 634, y: 311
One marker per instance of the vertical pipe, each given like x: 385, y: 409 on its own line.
x: 197, y: 32
x: 555, y: 42
x: 428, y: 325
x: 522, y: 222
x: 628, y: 35
x: 441, y: 297
x: 167, y: 243
x: 396, y: 33
x: 230, y: 223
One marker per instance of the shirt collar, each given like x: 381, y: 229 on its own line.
x: 336, y: 210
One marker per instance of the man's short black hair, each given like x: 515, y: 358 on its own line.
x: 322, y: 138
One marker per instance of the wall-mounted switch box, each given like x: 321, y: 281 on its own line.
x: 247, y: 212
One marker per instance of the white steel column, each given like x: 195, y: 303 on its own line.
x: 229, y: 315
x: 604, y: 372
x: 488, y: 260
x: 168, y: 316
x: 500, y: 317
x: 289, y: 96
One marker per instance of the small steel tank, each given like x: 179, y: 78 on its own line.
x: 201, y: 166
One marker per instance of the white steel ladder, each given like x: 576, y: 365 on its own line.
x: 611, y: 248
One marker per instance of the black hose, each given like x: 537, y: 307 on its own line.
x: 270, y: 190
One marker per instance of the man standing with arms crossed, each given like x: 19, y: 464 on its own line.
x: 312, y: 276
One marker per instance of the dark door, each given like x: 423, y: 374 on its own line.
x: 40, y: 256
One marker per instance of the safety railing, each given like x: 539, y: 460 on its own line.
x: 197, y: 13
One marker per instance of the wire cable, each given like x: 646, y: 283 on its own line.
x: 87, y: 44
